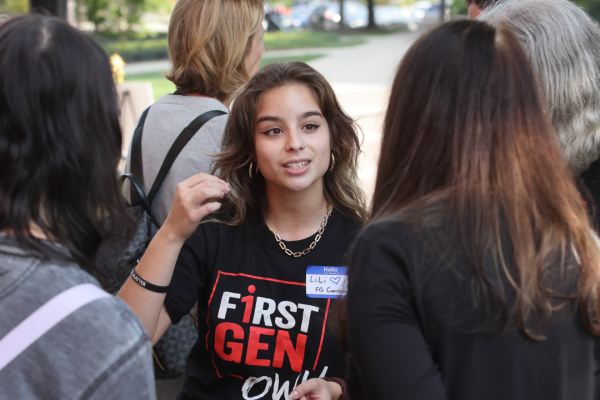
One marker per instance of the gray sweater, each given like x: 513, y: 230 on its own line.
x: 168, y: 116
x: 99, y: 352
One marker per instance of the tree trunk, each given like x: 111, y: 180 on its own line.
x: 371, y: 6
x: 55, y: 7
x: 341, y: 15
x: 443, y: 7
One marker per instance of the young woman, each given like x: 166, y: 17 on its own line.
x: 477, y: 277
x: 60, y: 143
x: 215, y: 47
x: 290, y: 201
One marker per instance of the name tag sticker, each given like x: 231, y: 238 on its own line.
x: 326, y: 282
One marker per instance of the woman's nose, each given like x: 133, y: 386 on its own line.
x: 295, y: 140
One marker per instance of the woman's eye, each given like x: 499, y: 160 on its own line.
x: 311, y: 127
x: 273, y: 131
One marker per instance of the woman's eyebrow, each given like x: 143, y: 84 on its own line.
x: 311, y: 114
x: 268, y: 118
x: 277, y: 119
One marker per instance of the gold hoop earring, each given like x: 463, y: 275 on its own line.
x: 250, y: 169
x: 332, y: 162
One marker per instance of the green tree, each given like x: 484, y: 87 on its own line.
x: 16, y: 6
x: 115, y: 17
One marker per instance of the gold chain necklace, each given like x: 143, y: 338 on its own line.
x: 312, y: 245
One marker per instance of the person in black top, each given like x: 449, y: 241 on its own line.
x: 477, y: 276
x: 290, y: 206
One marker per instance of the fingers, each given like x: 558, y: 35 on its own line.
x: 310, y: 387
x: 198, y: 195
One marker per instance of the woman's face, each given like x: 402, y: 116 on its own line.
x: 291, y: 139
x: 255, y: 52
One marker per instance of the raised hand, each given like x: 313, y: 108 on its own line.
x: 194, y: 199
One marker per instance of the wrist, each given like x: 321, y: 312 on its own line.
x: 170, y: 236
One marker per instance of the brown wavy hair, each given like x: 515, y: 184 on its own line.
x: 466, y: 137
x: 341, y: 187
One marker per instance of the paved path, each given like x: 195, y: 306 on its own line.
x: 361, y: 77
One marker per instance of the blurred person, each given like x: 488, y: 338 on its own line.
x: 287, y: 179
x: 561, y: 42
x: 60, y: 142
x: 475, y: 7
x: 215, y: 47
x: 477, y: 276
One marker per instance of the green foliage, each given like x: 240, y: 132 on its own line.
x: 111, y: 16
x: 459, y: 7
x: 159, y: 6
x: 138, y: 50
x: 14, y: 6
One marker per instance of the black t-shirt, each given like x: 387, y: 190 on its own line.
x: 259, y: 333
x: 415, y: 333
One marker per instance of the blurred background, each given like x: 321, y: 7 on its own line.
x: 357, y: 47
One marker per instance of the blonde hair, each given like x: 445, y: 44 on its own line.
x: 208, y: 41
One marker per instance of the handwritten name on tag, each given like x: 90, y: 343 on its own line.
x: 326, y: 282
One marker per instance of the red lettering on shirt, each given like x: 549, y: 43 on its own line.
x: 249, y: 300
x: 254, y: 345
x: 284, y: 345
x: 236, y: 348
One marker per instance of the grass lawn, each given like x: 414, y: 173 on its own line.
x: 304, y: 39
x: 162, y: 86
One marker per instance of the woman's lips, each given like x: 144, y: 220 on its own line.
x: 296, y: 168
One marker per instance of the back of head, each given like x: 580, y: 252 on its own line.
x: 208, y: 40
x: 561, y: 42
x: 466, y: 139
x: 60, y: 138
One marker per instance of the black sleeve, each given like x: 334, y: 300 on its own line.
x: 188, y: 278
x: 390, y: 356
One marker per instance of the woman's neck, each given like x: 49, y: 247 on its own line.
x: 293, y: 215
x: 226, y: 102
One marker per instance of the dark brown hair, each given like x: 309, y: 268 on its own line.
x: 60, y: 139
x: 465, y: 130
x: 341, y: 187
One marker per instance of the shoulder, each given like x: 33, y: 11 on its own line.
x: 389, y: 239
x: 87, y: 345
x: 188, y: 107
x: 346, y: 225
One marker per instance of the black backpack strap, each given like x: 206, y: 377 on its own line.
x: 136, y: 187
x: 136, y: 157
x: 184, y: 137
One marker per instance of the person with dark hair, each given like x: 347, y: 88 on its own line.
x: 477, y: 275
x: 60, y: 142
x: 291, y: 203
x: 476, y: 7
